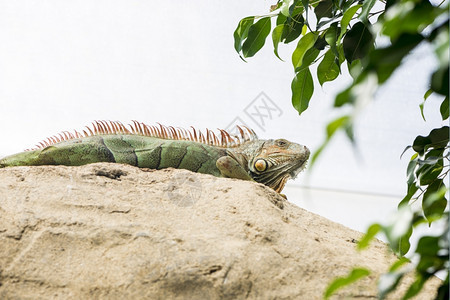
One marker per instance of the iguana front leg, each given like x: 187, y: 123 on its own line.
x: 229, y: 167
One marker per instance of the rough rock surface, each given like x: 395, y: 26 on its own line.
x: 115, y: 231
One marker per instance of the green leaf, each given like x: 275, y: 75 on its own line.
x: 434, y: 201
x: 256, y: 38
x: 343, y: 98
x: 385, y: 60
x: 346, y: 18
x: 327, y: 21
x: 370, y: 234
x: 421, y: 105
x: 285, y: 8
x: 281, y: 19
x: 355, y: 68
x: 331, y: 36
x: 439, y: 81
x: 438, y: 138
x: 320, y: 43
x: 349, y: 132
x: 306, y: 5
x: 357, y: 42
x: 415, y: 287
x: 427, y: 94
x: 444, y: 108
x: 428, y: 246
x: 327, y: 69
x: 366, y: 7
x: 406, y: 149
x: 292, y: 28
x: 302, y: 90
x: 412, y: 189
x: 240, y: 34
x: 409, y: 17
x: 388, y: 282
x: 324, y: 9
x: 410, y: 174
x: 403, y: 243
x: 276, y: 38
x: 332, y: 127
x: 400, y: 262
x: 428, y: 172
x: 430, y: 166
x: 308, y: 59
x: 340, y: 282
x: 305, y: 43
x: 399, y: 227
x: 336, y: 124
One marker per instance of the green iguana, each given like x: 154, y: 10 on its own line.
x: 271, y: 162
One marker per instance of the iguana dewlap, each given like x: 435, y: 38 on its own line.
x: 271, y: 162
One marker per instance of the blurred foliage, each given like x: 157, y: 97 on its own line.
x: 334, y: 33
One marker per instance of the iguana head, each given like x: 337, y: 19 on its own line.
x: 276, y: 161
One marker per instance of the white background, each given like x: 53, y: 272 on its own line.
x: 66, y: 63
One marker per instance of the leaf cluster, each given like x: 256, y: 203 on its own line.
x: 342, y: 32
x: 428, y: 167
x: 338, y: 33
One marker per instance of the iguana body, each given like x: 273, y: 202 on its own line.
x: 271, y: 162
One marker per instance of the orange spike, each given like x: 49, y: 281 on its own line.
x: 102, y: 127
x: 165, y: 132
x: 174, y: 133
x: 216, y: 140
x: 195, y: 134
x: 90, y: 131
x: 251, y: 132
x: 227, y: 135
x: 207, y: 136
x: 185, y: 133
x: 99, y: 127
x: 114, y: 127
x: 96, y: 128
x: 134, y: 126
x: 132, y: 129
x: 240, y: 131
x: 157, y: 131
x: 122, y: 127
x: 141, y: 130
x: 162, y: 131
x: 106, y: 124
x: 152, y: 130
x: 146, y: 131
x: 93, y: 128
x: 180, y: 134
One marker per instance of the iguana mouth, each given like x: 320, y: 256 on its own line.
x: 296, y: 170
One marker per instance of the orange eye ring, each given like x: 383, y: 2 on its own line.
x: 260, y: 165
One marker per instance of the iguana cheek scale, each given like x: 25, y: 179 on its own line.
x: 271, y: 162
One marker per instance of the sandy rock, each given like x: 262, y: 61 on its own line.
x: 115, y: 231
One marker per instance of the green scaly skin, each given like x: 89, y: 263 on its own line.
x: 270, y: 162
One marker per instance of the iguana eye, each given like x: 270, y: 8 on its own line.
x: 260, y: 165
x: 281, y: 143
